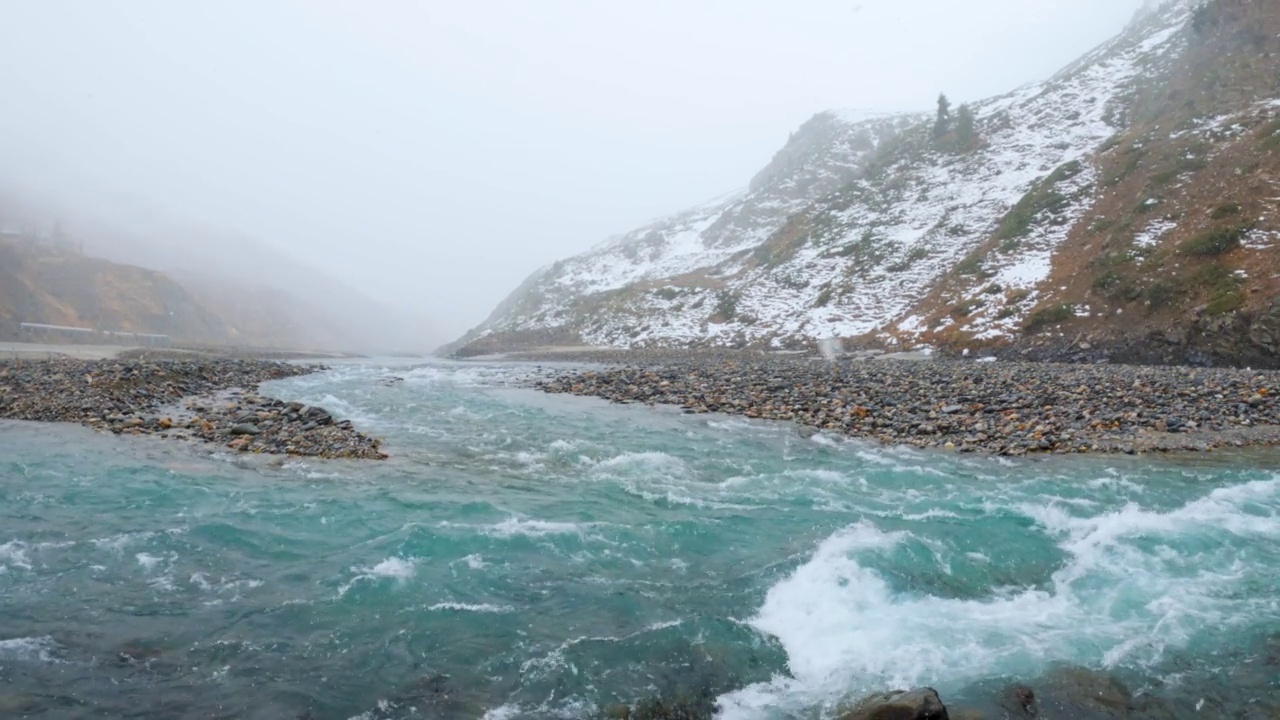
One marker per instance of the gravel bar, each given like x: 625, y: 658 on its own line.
x: 213, y: 400
x: 996, y: 408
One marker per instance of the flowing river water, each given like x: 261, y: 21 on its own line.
x: 532, y: 556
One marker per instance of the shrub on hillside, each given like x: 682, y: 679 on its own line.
x: 1216, y: 241
x: 1050, y: 315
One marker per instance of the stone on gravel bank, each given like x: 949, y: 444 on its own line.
x: 999, y: 408
x: 214, y: 400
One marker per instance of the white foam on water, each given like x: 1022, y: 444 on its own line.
x: 342, y: 409
x: 29, y: 649
x: 518, y: 527
x: 824, y: 440
x: 1113, y: 602
x: 394, y: 568
x: 475, y: 608
x: 644, y: 462
x: 471, y: 374
x: 224, y: 585
x: 1115, y: 483
x: 14, y: 553
x: 539, y: 666
x: 148, y: 561
x: 824, y: 476
x: 117, y: 543
x: 675, y: 495
x: 502, y: 712
x: 1221, y: 509
x: 661, y: 478
x: 531, y: 459
x: 474, y: 561
x: 931, y: 514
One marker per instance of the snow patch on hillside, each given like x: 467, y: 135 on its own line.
x: 873, y: 246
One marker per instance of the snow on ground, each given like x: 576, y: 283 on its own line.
x: 1151, y: 234
x: 933, y: 211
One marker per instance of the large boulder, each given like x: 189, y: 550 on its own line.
x: 919, y: 704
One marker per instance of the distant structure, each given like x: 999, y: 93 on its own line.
x: 39, y: 332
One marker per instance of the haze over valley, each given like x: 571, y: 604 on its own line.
x: 430, y: 158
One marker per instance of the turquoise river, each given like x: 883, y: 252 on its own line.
x: 523, y: 555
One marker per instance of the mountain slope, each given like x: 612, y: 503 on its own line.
x: 671, y: 268
x: 964, y: 239
x: 262, y: 296
x: 66, y: 288
x: 1174, y: 259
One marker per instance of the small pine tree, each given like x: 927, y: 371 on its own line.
x: 943, y: 124
x: 966, y: 132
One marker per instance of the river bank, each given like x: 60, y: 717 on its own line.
x: 210, y: 400
x: 997, y: 407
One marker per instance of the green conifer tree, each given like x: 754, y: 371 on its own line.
x: 966, y: 132
x: 943, y: 124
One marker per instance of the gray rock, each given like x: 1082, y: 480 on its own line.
x: 920, y: 704
x: 245, y: 429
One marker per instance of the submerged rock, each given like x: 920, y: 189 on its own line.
x: 1076, y: 692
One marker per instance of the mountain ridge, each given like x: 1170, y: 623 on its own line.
x: 893, y: 231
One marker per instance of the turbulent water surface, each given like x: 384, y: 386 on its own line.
x: 524, y: 555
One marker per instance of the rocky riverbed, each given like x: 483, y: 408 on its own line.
x: 998, y: 407
x: 213, y: 400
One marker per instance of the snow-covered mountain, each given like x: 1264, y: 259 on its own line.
x: 895, y: 228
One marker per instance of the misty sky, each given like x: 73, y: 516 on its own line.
x: 435, y: 153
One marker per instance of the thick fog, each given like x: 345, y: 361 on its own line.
x: 432, y: 154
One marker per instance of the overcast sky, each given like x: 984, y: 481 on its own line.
x: 433, y: 153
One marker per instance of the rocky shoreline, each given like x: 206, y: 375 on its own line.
x: 998, y: 408
x: 1063, y: 691
x: 211, y: 400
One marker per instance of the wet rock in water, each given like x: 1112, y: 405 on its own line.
x: 919, y: 704
x: 138, y: 653
x: 1019, y: 701
x: 245, y: 429
x: 434, y: 697
x: 19, y: 704
x: 1076, y: 692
